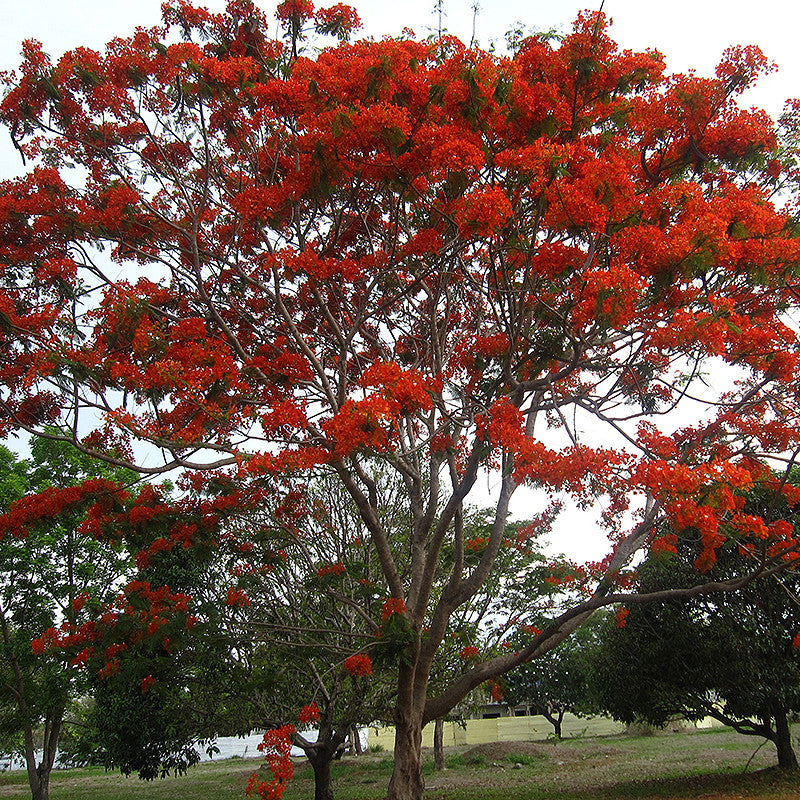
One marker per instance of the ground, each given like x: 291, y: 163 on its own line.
x: 712, y: 765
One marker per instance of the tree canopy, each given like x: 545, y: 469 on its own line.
x: 252, y: 262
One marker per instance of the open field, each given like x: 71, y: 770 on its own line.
x: 703, y: 764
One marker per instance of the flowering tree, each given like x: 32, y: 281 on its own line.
x: 417, y: 257
x: 48, y: 573
x: 231, y: 632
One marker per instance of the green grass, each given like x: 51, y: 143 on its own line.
x: 702, y: 764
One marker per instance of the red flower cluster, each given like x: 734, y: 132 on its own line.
x: 405, y: 390
x: 52, y: 502
x: 483, y: 212
x: 309, y: 713
x: 338, y: 20
x: 277, y: 749
x: 237, y: 598
x: 358, y: 665
x: 331, y: 569
x: 288, y: 9
x: 477, y: 544
x: 392, y: 606
x: 138, y: 614
x: 665, y: 544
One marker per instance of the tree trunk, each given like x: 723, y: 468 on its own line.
x: 555, y: 720
x: 407, y: 782
x: 40, y: 787
x: 322, y: 753
x: 783, y: 741
x: 438, y: 744
x: 355, y: 741
x: 321, y: 764
x: 39, y: 776
x: 557, y: 727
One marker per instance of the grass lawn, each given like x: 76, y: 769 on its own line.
x: 702, y: 764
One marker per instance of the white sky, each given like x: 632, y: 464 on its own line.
x: 690, y: 33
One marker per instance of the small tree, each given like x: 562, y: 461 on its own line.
x: 559, y: 682
x: 733, y: 657
x: 258, y: 631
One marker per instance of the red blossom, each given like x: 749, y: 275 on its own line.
x: 309, y: 713
x: 79, y: 602
x: 339, y: 20
x: 665, y: 544
x: 236, y: 598
x: 331, y: 569
x: 294, y: 9
x: 277, y: 750
x: 392, y: 606
x: 358, y: 665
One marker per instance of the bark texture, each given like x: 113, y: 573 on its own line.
x: 438, y: 744
x: 407, y: 782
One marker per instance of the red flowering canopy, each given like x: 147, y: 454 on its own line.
x: 415, y: 255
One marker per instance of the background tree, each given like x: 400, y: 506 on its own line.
x: 170, y: 690
x: 47, y: 574
x: 411, y: 256
x: 733, y: 657
x: 559, y: 682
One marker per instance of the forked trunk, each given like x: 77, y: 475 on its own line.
x: 39, y: 775
x: 38, y: 778
x: 407, y: 782
x: 555, y: 718
x: 783, y: 741
x: 321, y: 754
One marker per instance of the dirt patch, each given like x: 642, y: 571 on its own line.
x: 499, y: 751
x: 502, y: 751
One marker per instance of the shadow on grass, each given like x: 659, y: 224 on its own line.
x: 772, y: 783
